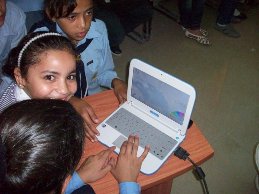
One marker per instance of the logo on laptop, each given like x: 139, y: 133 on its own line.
x: 177, y: 116
x: 154, y: 113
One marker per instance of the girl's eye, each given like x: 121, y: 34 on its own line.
x: 49, y: 77
x: 71, y: 77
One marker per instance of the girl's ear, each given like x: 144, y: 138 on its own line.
x: 18, y: 78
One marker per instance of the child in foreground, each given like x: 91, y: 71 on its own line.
x: 44, y: 141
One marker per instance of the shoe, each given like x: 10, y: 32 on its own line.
x: 228, y: 30
x: 238, y: 18
x: 235, y: 20
x: 203, y: 31
x: 200, y: 39
x: 241, y: 16
x: 116, y: 50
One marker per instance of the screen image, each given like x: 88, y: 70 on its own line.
x: 160, y: 96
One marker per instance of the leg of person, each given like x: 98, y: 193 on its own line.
x: 133, y: 13
x: 116, y: 33
x: 191, y: 12
x: 140, y: 13
x: 197, y: 14
x: 225, y: 14
x: 185, y: 11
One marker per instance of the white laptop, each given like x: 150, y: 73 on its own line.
x: 158, y: 110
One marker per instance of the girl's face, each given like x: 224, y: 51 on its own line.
x: 54, y: 77
x: 77, y: 24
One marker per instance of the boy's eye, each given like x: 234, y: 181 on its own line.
x: 71, y: 77
x: 71, y: 17
x: 89, y: 12
x: 49, y: 77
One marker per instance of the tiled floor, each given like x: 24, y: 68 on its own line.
x: 226, y: 78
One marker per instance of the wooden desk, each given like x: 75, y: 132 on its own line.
x: 195, y: 143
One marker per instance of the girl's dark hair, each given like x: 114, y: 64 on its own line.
x: 31, y: 54
x: 59, y: 8
x: 44, y: 141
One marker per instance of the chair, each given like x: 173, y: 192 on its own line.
x: 145, y: 33
x: 158, y: 5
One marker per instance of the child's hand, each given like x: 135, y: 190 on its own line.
x: 128, y: 164
x: 97, y: 166
x: 90, y: 118
x: 120, y: 89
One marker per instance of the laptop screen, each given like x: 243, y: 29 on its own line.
x: 159, y: 95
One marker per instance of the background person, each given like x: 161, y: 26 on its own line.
x: 12, y: 29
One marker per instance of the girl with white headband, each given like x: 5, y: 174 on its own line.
x: 43, y: 66
x: 46, y: 51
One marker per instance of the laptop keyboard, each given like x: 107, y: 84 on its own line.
x: 127, y: 123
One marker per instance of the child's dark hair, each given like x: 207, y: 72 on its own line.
x: 59, y: 8
x: 44, y: 141
x: 2, y: 161
x: 31, y: 54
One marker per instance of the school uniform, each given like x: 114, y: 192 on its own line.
x: 32, y: 9
x: 11, y: 32
x: 96, y: 57
x: 11, y: 95
x: 76, y: 185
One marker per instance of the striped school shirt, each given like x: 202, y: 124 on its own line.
x: 11, y: 95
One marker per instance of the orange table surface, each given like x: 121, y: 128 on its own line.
x: 195, y: 143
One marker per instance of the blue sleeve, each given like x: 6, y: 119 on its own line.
x: 20, y: 28
x: 129, y: 188
x: 75, y: 183
x: 106, y: 73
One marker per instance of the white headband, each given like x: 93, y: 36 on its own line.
x: 33, y: 39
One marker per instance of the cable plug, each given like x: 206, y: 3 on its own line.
x: 198, y: 172
x: 181, y: 153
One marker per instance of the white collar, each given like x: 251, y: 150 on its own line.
x: 20, y: 94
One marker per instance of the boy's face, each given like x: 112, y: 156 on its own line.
x: 77, y: 24
x: 2, y: 11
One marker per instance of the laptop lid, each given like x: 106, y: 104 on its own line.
x: 161, y: 101
x: 160, y: 95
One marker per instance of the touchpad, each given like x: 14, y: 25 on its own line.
x: 119, y: 141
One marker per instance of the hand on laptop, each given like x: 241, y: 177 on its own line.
x: 90, y: 118
x: 97, y: 166
x: 128, y: 164
x: 120, y: 90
